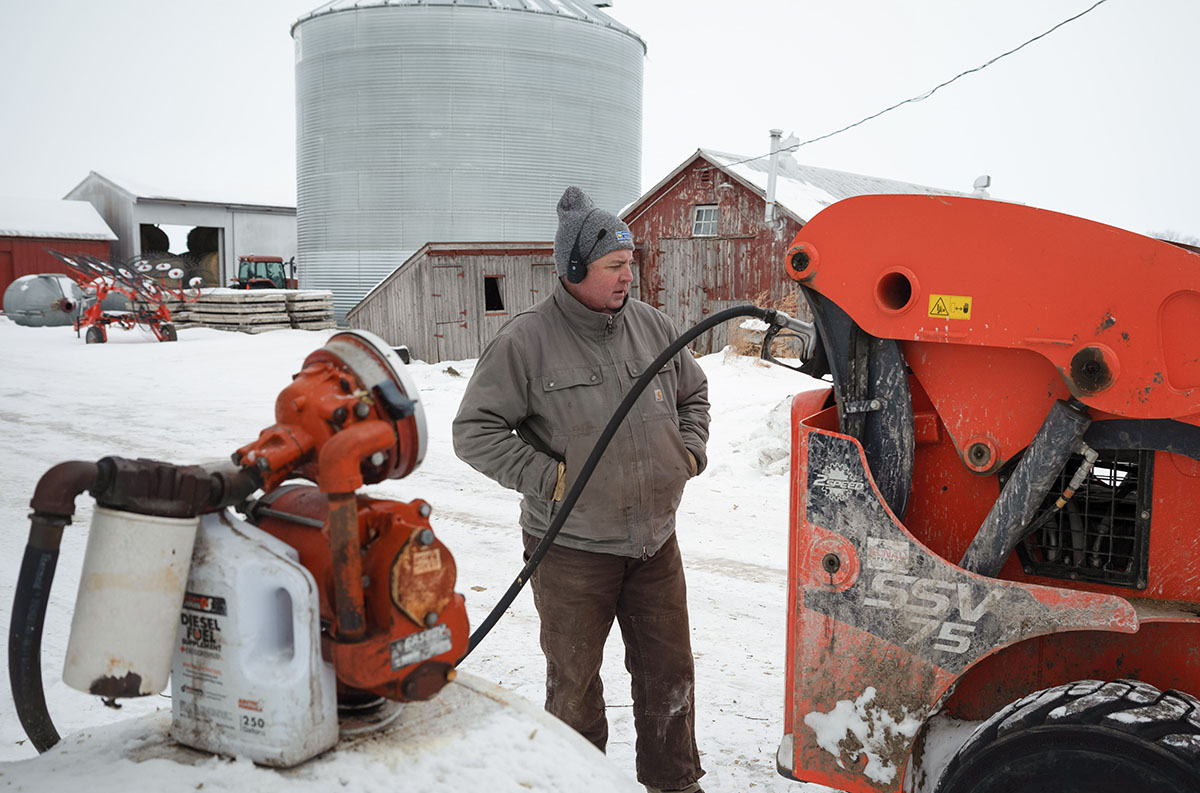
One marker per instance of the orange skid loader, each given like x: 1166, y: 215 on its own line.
x: 995, y: 508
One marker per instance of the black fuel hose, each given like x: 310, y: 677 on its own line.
x: 53, y: 506
x: 25, y: 632
x: 770, y: 316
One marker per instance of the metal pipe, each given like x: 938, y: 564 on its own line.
x: 340, y: 475
x: 261, y: 512
x: 56, y: 491
x: 348, y: 602
x: 769, y: 211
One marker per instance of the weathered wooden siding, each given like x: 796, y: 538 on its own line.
x: 691, y: 277
x: 435, y: 303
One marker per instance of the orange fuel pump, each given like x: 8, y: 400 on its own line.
x: 344, y: 421
x: 370, y: 576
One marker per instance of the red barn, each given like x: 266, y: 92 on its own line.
x: 29, y: 226
x: 703, y: 243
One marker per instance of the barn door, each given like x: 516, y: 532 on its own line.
x: 449, y: 305
x: 683, y: 268
x: 545, y: 278
x: 730, y: 283
x: 449, y: 298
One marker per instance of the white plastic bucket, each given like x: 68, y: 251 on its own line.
x: 134, y: 573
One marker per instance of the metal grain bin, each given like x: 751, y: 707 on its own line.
x: 454, y: 120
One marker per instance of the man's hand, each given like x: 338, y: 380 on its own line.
x: 692, y: 462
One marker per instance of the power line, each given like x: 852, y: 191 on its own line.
x: 931, y: 91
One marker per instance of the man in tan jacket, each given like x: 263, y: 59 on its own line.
x: 541, y: 394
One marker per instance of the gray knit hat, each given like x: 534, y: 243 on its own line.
x: 585, y: 233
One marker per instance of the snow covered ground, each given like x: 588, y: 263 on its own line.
x: 200, y: 398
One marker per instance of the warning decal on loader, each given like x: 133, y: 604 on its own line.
x: 950, y: 306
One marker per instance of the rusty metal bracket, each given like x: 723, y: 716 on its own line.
x: 863, y: 406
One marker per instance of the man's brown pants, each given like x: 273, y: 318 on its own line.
x: 577, y: 595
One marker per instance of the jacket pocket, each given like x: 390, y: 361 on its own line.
x: 600, y: 512
x: 669, y: 463
x: 570, y: 401
x: 659, y: 397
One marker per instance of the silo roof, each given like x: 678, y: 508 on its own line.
x: 582, y: 10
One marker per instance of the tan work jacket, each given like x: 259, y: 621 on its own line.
x: 543, y: 391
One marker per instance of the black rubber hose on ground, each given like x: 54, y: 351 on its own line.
x: 53, y: 506
x: 770, y: 316
x: 25, y: 634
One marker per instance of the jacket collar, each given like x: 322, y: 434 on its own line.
x: 590, y: 324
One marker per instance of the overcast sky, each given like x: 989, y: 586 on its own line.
x: 1099, y: 119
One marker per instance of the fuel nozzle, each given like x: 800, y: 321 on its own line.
x: 780, y: 325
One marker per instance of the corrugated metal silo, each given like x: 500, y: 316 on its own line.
x: 451, y: 121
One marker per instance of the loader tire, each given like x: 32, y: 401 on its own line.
x: 1084, y: 737
x: 95, y: 335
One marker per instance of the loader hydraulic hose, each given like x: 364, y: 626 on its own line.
x: 1006, y: 524
x: 774, y: 319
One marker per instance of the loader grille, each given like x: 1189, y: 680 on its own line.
x: 1102, y: 534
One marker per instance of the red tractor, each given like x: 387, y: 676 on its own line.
x: 265, y: 272
x: 994, y: 507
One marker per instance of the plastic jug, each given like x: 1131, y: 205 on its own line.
x: 248, y: 678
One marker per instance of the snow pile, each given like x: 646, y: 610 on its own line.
x: 769, y: 445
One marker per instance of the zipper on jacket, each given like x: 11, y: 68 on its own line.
x: 644, y: 557
x: 608, y: 327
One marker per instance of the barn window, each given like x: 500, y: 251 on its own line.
x: 704, y: 177
x: 704, y: 220
x: 492, y: 299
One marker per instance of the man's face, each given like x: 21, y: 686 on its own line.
x: 606, y: 284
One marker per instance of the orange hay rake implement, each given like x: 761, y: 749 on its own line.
x: 141, y: 280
